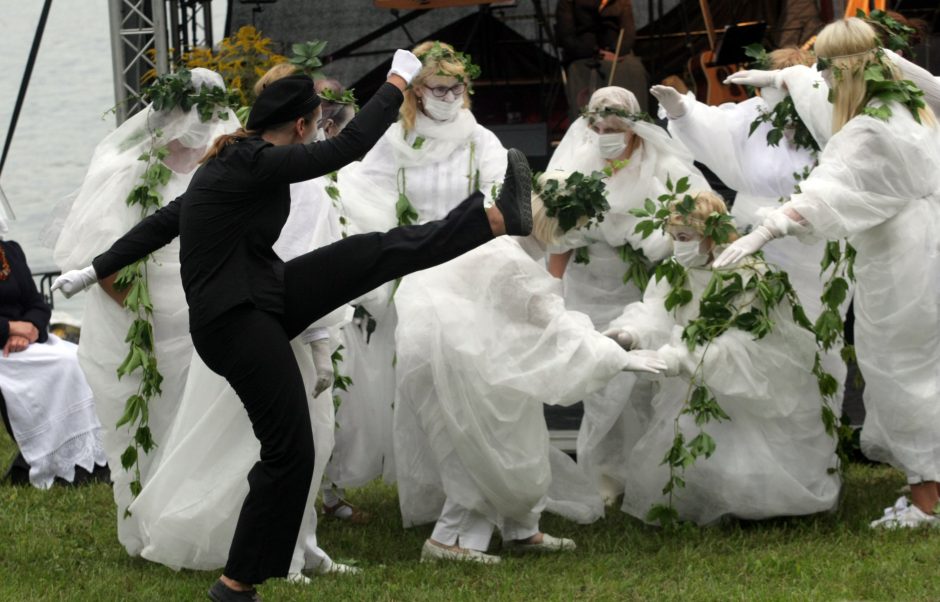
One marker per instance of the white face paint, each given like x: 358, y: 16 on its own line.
x: 826, y: 75
x: 688, y: 253
x: 442, y: 110
x: 197, y: 136
x: 321, y: 135
x: 611, y: 146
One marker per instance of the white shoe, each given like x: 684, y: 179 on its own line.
x: 298, y: 579
x: 910, y: 517
x: 431, y: 552
x: 548, y: 544
x: 337, y: 568
x: 900, y: 505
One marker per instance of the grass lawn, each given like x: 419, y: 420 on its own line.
x: 61, y: 545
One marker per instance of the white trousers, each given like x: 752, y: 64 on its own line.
x: 469, y: 529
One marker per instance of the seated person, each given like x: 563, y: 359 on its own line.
x: 49, y: 409
x: 587, y: 32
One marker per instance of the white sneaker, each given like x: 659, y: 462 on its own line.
x: 431, y: 552
x: 900, y: 505
x: 548, y: 544
x: 298, y: 579
x: 910, y: 517
x: 337, y: 568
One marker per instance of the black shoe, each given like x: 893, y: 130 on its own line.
x: 223, y: 593
x: 515, y: 197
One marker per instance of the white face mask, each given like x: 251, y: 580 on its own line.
x: 441, y: 110
x: 611, y: 146
x: 197, y: 136
x: 321, y: 135
x: 687, y: 253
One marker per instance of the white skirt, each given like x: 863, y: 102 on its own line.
x: 51, y: 410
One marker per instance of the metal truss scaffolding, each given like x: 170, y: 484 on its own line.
x: 138, y: 44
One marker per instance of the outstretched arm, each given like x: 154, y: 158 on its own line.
x: 153, y: 232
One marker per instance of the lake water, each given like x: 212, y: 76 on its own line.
x: 64, y: 115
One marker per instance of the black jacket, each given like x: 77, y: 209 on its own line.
x: 582, y: 31
x: 233, y: 211
x: 20, y: 300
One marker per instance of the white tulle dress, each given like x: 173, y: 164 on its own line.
x: 483, y: 342
x: 773, y: 458
x: 98, y: 216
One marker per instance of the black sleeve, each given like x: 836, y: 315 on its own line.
x: 153, y: 232
x: 35, y: 308
x: 300, y: 162
x: 575, y: 45
x: 4, y: 331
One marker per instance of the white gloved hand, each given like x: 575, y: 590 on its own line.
x: 644, y: 361
x: 670, y: 99
x: 621, y: 337
x: 669, y: 356
x: 744, y: 247
x: 406, y: 65
x: 75, y: 281
x: 323, y: 362
x: 756, y: 78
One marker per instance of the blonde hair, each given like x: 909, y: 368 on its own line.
x: 441, y: 67
x: 545, y: 229
x: 790, y: 56
x: 279, y: 71
x: 850, y: 45
x: 706, y: 203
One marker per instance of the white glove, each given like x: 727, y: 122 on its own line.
x: 756, y: 78
x: 323, y: 362
x: 406, y: 65
x: 644, y: 361
x: 621, y: 337
x: 671, y: 100
x: 668, y: 355
x: 75, y: 281
x: 744, y: 247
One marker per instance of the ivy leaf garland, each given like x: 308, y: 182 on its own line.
x: 439, y: 53
x: 307, y: 57
x: 168, y: 92
x: 745, y: 301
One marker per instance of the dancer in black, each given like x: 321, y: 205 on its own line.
x: 245, y: 304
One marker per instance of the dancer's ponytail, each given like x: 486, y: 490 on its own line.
x: 224, y: 140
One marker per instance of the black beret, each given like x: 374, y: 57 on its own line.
x: 283, y: 100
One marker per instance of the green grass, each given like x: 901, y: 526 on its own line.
x: 61, y: 545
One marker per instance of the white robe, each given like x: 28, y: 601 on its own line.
x: 483, y: 342
x: 878, y: 184
x: 436, y: 178
x: 772, y: 458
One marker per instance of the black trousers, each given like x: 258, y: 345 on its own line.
x: 251, y: 349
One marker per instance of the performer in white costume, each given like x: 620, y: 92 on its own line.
x: 613, y: 131
x: 99, y: 215
x: 878, y: 184
x: 479, y: 352
x: 189, y: 506
x: 435, y: 153
x: 773, y: 457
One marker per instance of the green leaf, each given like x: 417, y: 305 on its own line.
x: 129, y: 458
x: 702, y: 445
